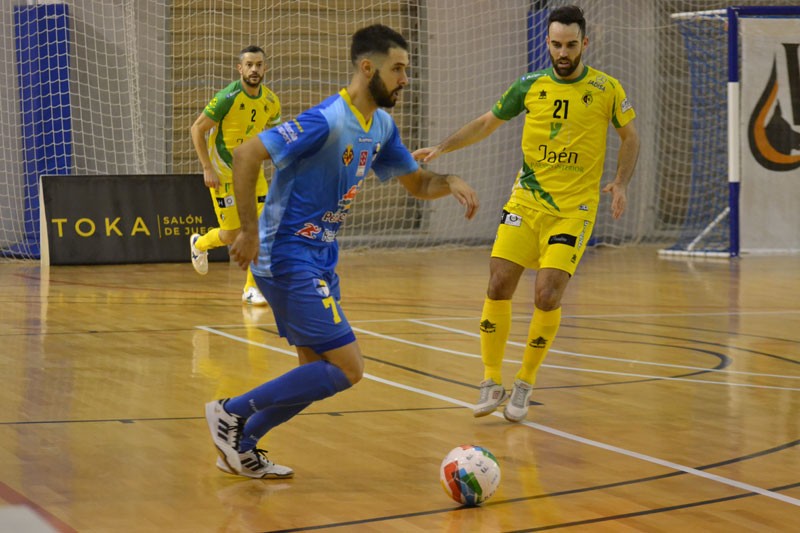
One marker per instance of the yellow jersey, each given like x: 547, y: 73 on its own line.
x: 239, y: 116
x: 564, y: 138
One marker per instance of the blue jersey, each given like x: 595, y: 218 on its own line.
x: 321, y: 159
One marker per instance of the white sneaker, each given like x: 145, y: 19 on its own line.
x: 256, y: 465
x: 199, y: 259
x: 226, y: 432
x: 492, y: 395
x: 517, y: 408
x: 253, y: 296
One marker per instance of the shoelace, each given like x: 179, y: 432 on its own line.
x: 261, y: 457
x: 518, y: 398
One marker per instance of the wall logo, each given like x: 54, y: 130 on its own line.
x: 772, y: 139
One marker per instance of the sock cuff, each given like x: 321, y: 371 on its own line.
x: 547, y: 318
x: 497, y: 307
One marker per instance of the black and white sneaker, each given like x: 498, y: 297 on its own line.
x: 255, y: 464
x: 226, y: 432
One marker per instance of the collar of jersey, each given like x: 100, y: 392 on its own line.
x: 552, y: 74
x: 256, y: 97
x: 365, y: 124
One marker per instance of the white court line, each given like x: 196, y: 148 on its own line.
x: 587, y: 356
x: 573, y: 369
x: 569, y: 436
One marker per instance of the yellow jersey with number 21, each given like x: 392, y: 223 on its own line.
x: 564, y: 138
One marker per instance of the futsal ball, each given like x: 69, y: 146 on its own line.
x: 470, y: 474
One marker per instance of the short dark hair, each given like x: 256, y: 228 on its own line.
x: 252, y: 49
x: 375, y: 39
x: 568, y: 15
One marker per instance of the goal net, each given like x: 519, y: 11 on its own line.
x: 703, y: 205
x: 123, y: 81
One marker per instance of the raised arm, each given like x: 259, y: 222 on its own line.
x: 427, y: 185
x: 472, y: 132
x: 626, y: 163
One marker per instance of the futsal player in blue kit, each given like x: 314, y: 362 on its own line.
x: 321, y: 159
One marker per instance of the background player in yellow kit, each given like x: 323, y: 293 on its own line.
x: 239, y: 111
x: 549, y: 218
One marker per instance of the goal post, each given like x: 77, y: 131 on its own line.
x: 717, y: 232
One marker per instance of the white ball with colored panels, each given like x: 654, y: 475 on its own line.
x: 470, y: 474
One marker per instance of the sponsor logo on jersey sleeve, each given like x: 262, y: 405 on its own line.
x: 626, y: 105
x: 287, y: 131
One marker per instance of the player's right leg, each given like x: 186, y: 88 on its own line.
x: 307, y: 313
x: 511, y: 253
x: 224, y: 207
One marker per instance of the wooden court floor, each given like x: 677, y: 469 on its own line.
x: 670, y: 401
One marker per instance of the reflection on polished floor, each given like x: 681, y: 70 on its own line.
x: 670, y: 401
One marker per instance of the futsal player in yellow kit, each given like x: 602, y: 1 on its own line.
x: 239, y: 111
x: 549, y: 217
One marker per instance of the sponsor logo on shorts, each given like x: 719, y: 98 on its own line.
x: 511, y: 219
x: 226, y: 201
x: 563, y: 238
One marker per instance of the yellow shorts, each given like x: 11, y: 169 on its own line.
x: 536, y: 240
x: 225, y: 203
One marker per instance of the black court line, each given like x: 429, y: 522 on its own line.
x: 698, y: 341
x: 690, y: 328
x: 649, y: 511
x: 578, y: 491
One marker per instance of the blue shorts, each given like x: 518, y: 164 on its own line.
x: 307, y: 310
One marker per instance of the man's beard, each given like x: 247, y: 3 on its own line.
x: 379, y: 92
x: 565, y: 72
x: 253, y: 83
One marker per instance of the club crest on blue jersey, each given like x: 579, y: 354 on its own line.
x: 347, y: 155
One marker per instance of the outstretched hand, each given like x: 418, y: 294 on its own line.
x: 244, y: 249
x: 619, y: 198
x: 426, y: 155
x: 465, y: 195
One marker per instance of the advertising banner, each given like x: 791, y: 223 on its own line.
x: 124, y: 219
x: 770, y: 140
